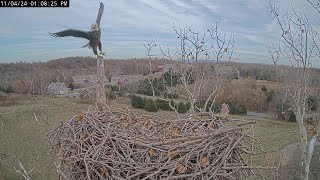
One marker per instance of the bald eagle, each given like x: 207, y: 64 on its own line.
x: 93, y: 35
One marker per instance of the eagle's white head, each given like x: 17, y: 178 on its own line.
x: 94, y: 27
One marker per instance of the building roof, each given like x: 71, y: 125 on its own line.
x: 163, y: 67
x: 54, y: 86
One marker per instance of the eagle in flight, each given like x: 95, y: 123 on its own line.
x: 93, y: 35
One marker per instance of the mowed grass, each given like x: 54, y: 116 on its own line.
x: 23, y: 137
x: 24, y: 126
x: 272, y: 136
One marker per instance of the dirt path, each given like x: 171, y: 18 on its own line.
x: 259, y: 114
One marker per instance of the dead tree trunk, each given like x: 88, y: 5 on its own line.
x: 100, y: 91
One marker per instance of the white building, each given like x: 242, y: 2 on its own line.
x: 57, y: 89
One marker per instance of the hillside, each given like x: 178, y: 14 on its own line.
x: 62, y: 69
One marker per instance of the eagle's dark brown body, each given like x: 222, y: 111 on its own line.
x: 95, y: 42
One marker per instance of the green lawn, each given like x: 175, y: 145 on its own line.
x: 22, y: 136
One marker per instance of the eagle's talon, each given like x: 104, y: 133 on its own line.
x: 102, y: 53
x: 99, y: 56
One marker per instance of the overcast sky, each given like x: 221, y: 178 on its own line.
x: 127, y: 24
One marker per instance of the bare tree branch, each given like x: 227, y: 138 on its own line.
x: 315, y: 4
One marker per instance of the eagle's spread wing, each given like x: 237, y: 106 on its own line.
x: 100, y: 12
x: 71, y: 32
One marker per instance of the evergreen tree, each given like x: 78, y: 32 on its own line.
x: 182, y: 107
x: 150, y: 106
x: 71, y: 86
x: 163, y: 105
x: 188, y: 105
x: 137, y: 102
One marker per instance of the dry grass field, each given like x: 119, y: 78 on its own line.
x: 25, y: 121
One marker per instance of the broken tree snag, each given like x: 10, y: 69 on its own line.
x: 224, y: 110
x: 100, y: 91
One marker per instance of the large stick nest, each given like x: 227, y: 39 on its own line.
x: 123, y: 145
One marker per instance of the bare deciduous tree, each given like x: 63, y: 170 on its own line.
x: 298, y: 46
x: 43, y: 79
x: 170, y: 56
x: 149, y: 47
x: 198, y: 75
x: 190, y: 50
